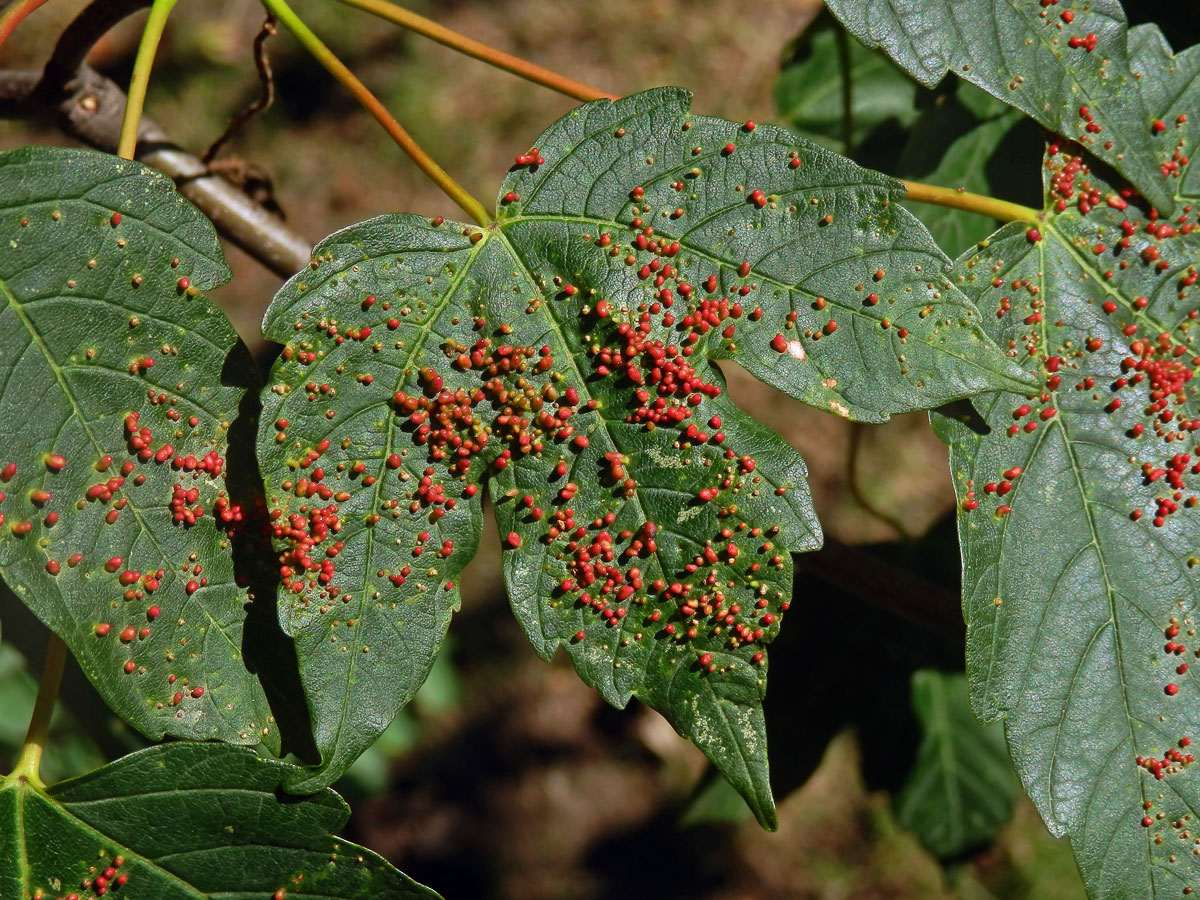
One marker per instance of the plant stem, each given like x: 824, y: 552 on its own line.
x: 370, y: 102
x: 87, y: 106
x: 142, y: 64
x: 14, y: 15
x: 976, y: 203
x: 479, y: 50
x: 77, y: 40
x: 43, y: 707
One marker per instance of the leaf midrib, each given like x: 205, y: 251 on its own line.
x: 18, y: 819
x: 636, y: 499
x: 1060, y: 60
x: 545, y: 177
x: 1086, y: 503
x: 139, y: 216
x: 1059, y: 423
x: 1112, y: 608
x: 1097, y: 277
x: 1139, y: 163
x: 1043, y: 328
x: 141, y: 313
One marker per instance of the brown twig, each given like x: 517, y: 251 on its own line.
x: 88, y: 106
x: 265, y: 98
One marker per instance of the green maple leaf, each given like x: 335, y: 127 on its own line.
x: 1078, y: 529
x: 563, y: 357
x: 1078, y: 69
x: 185, y: 822
x: 118, y: 386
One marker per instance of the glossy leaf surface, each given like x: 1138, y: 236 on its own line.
x: 185, y: 822
x: 563, y: 356
x: 118, y: 386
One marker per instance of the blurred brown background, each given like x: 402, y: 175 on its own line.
x: 508, y: 778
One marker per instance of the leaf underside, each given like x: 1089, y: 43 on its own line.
x: 185, y: 822
x: 1077, y: 68
x: 563, y: 355
x: 1078, y: 528
x: 118, y: 383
